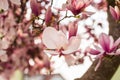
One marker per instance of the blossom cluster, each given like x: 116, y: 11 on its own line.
x: 31, y: 34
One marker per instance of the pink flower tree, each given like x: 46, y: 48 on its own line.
x: 33, y: 32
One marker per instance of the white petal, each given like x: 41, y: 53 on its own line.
x: 51, y: 52
x: 4, y: 4
x: 63, y: 40
x: 74, y: 44
x: 53, y: 39
x: 49, y: 38
x: 17, y: 2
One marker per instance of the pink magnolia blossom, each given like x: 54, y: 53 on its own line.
x: 115, y: 12
x: 4, y: 3
x: 57, y: 42
x: 77, y: 6
x: 108, y: 47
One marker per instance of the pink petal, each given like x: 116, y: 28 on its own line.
x: 77, y: 4
x: 73, y: 45
x: 87, y: 2
x: 53, y: 39
x: 98, y: 64
x: 72, y: 29
x: 48, y: 16
x: 117, y: 42
x: 98, y: 48
x: 17, y: 2
x: 112, y: 53
x: 35, y: 6
x: 104, y: 41
x: 111, y: 42
x: 93, y: 51
x: 113, y: 13
x: 50, y: 38
x: 117, y: 52
x: 4, y: 4
x: 117, y: 12
x: 63, y: 40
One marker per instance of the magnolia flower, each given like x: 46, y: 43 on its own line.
x: 4, y: 3
x: 76, y: 6
x: 108, y: 47
x: 115, y: 12
x: 57, y: 42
